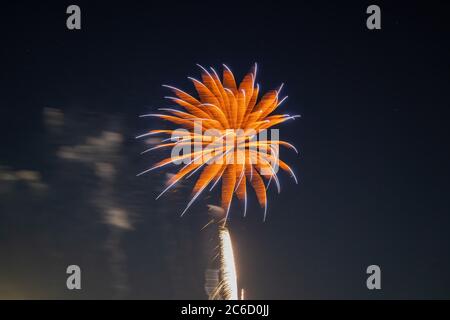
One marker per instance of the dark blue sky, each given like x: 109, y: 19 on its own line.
x: 373, y: 138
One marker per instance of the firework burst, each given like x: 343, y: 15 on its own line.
x: 219, y: 130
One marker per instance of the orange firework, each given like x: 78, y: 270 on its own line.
x: 219, y: 134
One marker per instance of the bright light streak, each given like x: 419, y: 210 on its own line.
x: 228, y: 268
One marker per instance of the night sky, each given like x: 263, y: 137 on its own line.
x: 373, y: 140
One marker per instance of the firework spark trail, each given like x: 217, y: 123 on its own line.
x: 228, y: 267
